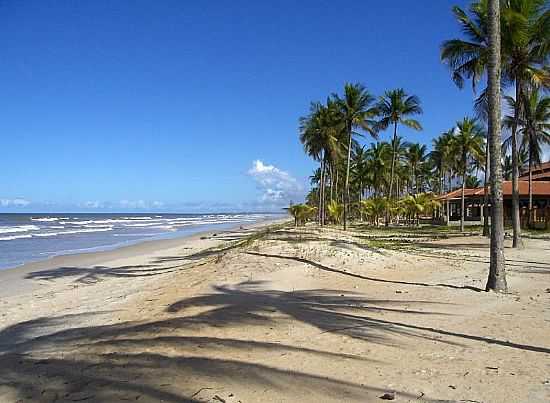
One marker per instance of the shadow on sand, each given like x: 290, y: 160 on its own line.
x: 347, y: 273
x: 65, y: 358
x: 68, y: 358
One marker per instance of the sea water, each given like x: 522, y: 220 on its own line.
x: 30, y: 237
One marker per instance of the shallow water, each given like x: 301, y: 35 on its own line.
x: 30, y: 237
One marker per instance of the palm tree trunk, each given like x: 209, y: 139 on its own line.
x: 346, y: 190
x: 360, y: 199
x: 497, y: 272
x: 530, y: 222
x: 442, y: 182
x: 322, y: 191
x: 336, y: 183
x: 331, y: 180
x: 486, y: 192
x: 462, y: 202
x: 392, y: 169
x: 516, y: 223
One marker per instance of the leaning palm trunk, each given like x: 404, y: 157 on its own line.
x: 516, y: 223
x: 486, y: 192
x: 497, y: 272
x: 346, y: 190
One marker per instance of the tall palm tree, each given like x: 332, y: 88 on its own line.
x: 378, y: 160
x: 440, y: 156
x: 355, y: 113
x: 467, y: 59
x: 318, y: 134
x: 468, y: 144
x: 525, y: 44
x: 535, y: 132
x: 497, y: 273
x: 416, y: 157
x: 399, y: 149
x: 395, y: 108
x: 525, y: 38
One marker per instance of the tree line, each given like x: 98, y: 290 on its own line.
x: 350, y: 172
x: 398, y: 179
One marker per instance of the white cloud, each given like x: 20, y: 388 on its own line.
x: 276, y: 185
x: 18, y: 202
x: 92, y: 204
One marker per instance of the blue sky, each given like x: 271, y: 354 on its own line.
x: 193, y: 106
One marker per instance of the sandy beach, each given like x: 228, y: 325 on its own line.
x: 279, y: 315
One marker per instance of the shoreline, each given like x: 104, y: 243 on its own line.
x: 140, y: 249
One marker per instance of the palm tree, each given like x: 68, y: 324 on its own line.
x: 416, y: 157
x: 335, y: 211
x: 374, y: 208
x: 535, y: 131
x: 441, y: 156
x: 301, y: 213
x: 467, y: 143
x: 318, y: 134
x: 497, y: 273
x: 472, y: 182
x: 355, y: 112
x: 525, y: 46
x: 378, y: 157
x: 395, y: 108
x: 467, y: 59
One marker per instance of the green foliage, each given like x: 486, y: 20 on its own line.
x: 302, y: 213
x: 335, y: 211
x: 374, y: 209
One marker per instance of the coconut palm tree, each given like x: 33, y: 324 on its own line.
x: 525, y: 38
x: 467, y: 59
x: 416, y: 158
x: 319, y: 136
x: 472, y: 182
x: 534, y: 129
x: 374, y: 208
x: 440, y: 156
x: 335, y: 211
x: 468, y: 145
x: 525, y: 45
x: 355, y: 113
x: 301, y: 213
x: 497, y: 273
x: 399, y: 149
x: 378, y: 160
x: 396, y: 107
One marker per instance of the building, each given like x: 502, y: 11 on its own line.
x: 474, y: 201
x: 540, y: 173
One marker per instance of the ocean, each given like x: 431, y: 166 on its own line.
x: 31, y: 237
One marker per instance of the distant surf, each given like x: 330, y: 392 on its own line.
x: 30, y: 237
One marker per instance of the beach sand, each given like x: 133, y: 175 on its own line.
x: 291, y: 315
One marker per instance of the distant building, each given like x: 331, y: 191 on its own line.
x: 474, y: 200
x: 540, y: 173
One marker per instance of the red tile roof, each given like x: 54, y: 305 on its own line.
x: 540, y: 188
x: 537, y: 169
x: 543, y: 175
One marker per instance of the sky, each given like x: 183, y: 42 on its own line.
x: 194, y: 106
